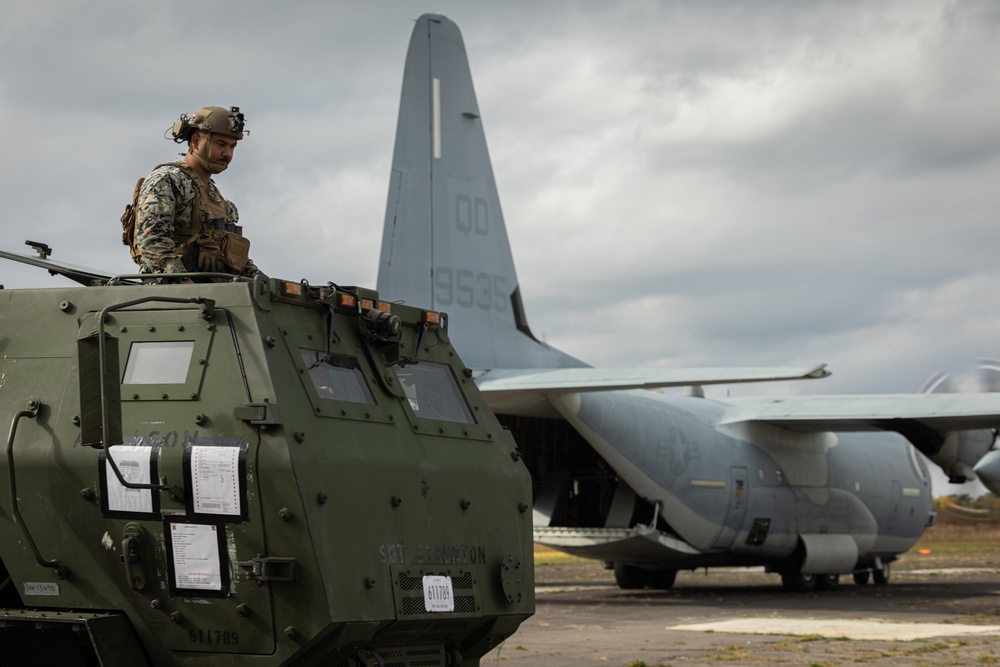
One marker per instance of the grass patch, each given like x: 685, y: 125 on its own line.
x: 547, y: 556
x: 950, y: 532
x: 957, y: 547
x: 731, y: 654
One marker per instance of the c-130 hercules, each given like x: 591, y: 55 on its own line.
x: 809, y: 487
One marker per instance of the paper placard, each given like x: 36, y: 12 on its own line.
x: 137, y: 464
x: 215, y: 474
x: 215, y: 477
x: 196, y: 556
x: 438, y: 593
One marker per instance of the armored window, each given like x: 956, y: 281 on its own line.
x: 433, y: 393
x: 158, y: 362
x: 337, y: 377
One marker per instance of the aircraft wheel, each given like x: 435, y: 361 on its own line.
x: 827, y: 582
x: 662, y: 579
x: 861, y: 578
x: 881, y: 577
x: 794, y: 581
x: 629, y: 577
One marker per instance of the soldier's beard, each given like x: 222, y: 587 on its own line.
x: 202, y: 158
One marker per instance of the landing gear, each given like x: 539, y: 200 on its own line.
x: 795, y: 581
x: 880, y: 576
x: 662, y: 579
x: 629, y: 577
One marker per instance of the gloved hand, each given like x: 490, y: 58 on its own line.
x: 209, y: 255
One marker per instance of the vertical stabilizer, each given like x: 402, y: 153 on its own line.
x: 444, y: 244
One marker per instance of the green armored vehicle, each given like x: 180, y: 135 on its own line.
x: 249, y: 473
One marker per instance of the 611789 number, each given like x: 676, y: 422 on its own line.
x: 220, y: 637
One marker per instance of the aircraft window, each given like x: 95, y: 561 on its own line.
x: 337, y: 377
x: 433, y: 393
x: 158, y: 362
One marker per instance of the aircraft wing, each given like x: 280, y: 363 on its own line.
x: 921, y: 418
x: 936, y: 412
x: 575, y: 380
x: 523, y: 391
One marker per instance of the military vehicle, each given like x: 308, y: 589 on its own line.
x: 249, y: 472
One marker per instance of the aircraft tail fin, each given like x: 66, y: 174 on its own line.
x: 444, y: 243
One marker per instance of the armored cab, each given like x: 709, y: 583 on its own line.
x: 259, y: 473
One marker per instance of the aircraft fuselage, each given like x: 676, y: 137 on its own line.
x: 751, y: 491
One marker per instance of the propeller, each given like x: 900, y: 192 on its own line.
x: 988, y: 373
x: 967, y: 455
x: 938, y: 383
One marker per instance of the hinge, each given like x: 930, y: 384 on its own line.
x: 258, y: 413
x: 270, y: 568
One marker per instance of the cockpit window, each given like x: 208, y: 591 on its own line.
x: 158, y: 362
x: 433, y: 393
x: 337, y: 377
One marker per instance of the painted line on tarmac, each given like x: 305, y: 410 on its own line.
x: 869, y: 629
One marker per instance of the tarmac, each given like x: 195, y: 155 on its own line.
x: 936, y: 610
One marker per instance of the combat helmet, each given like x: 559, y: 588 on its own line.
x: 217, y: 120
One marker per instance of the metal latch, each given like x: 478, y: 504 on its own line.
x: 270, y: 568
x: 258, y: 413
x: 132, y: 556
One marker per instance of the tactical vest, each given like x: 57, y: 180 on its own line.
x: 210, y: 243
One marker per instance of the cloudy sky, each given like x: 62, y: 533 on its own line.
x: 684, y: 183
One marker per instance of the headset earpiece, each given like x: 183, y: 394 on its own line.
x: 181, y: 129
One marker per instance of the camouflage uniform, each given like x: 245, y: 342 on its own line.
x: 166, y: 203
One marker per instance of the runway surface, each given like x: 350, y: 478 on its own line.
x: 936, y: 610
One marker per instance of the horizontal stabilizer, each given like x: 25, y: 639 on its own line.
x: 574, y: 380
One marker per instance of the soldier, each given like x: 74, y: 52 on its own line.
x: 181, y: 221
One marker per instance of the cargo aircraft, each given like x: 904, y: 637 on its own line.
x: 649, y: 483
